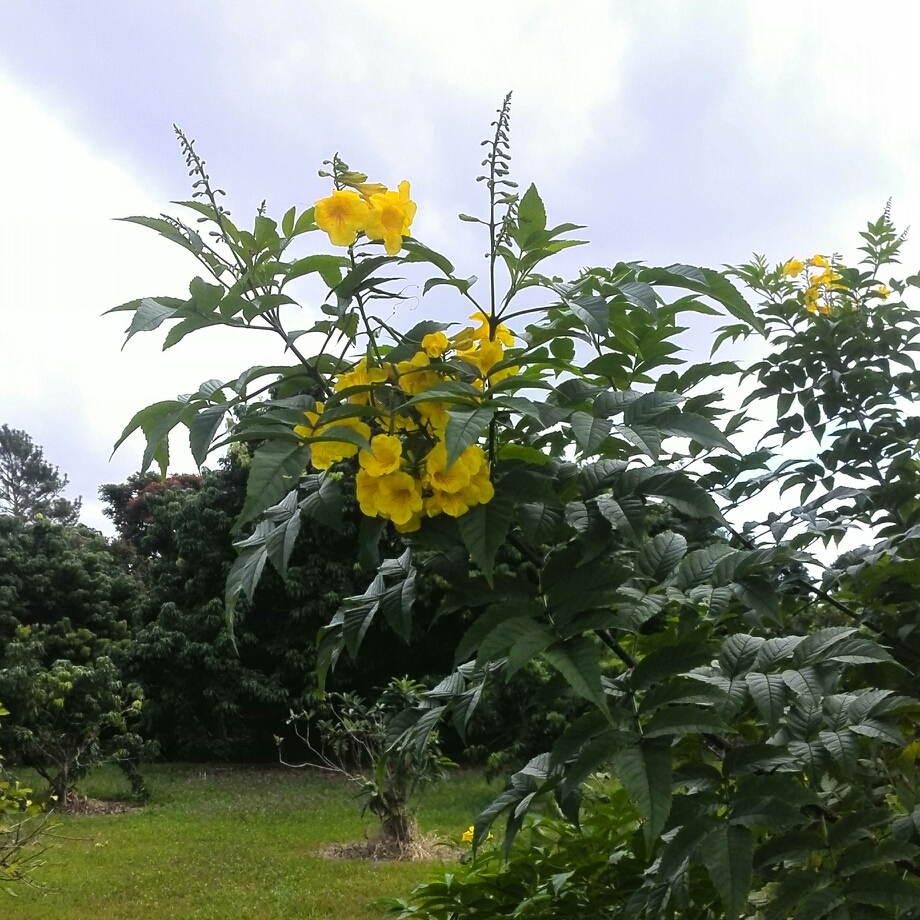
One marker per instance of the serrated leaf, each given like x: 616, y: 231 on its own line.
x: 589, y: 431
x: 683, y: 720
x: 697, y: 428
x: 464, y: 427
x: 644, y: 769
x: 276, y: 468
x: 578, y: 661
x: 769, y: 694
x: 658, y: 558
x: 728, y: 857
x: 483, y: 530
x: 324, y: 502
x: 699, y: 565
x: 201, y: 431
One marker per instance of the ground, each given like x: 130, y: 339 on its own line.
x: 221, y: 842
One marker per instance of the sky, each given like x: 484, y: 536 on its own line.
x: 691, y: 132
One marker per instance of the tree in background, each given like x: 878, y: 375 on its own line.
x: 29, y: 485
x: 66, y: 602
x: 208, y: 696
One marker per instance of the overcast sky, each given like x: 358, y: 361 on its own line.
x: 696, y: 132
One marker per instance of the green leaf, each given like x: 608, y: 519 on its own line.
x: 578, y: 661
x: 699, y: 565
x: 883, y: 889
x: 738, y: 654
x: 280, y: 543
x: 627, y: 515
x: 658, y: 558
x: 728, y: 856
x: 684, y: 720
x: 644, y: 769
x: 589, y: 432
x: 359, y: 613
x: 769, y: 694
x: 324, y: 501
x: 276, y: 468
x: 483, y: 530
x: 683, y: 846
x: 591, y: 310
x: 247, y: 569
x: 417, y: 252
x: 328, y: 267
x: 699, y: 429
x: 531, y: 216
x: 201, y: 431
x: 150, y: 314
x: 650, y: 405
x: 464, y: 427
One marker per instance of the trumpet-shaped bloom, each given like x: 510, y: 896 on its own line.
x: 793, y: 268
x: 413, y: 378
x: 390, y: 217
x: 399, y: 497
x: 366, y: 489
x: 480, y: 490
x: 439, y: 477
x: 386, y: 456
x: 342, y: 215
x: 435, y: 415
x: 359, y: 376
x: 818, y: 261
x: 324, y: 453
x: 883, y: 292
x: 502, y: 332
x: 435, y: 344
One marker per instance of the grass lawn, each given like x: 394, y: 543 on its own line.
x: 229, y: 842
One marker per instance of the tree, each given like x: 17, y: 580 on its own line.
x: 534, y: 461
x: 29, y: 485
x: 66, y: 602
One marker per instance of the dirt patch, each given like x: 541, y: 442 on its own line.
x: 424, y: 849
x: 79, y: 805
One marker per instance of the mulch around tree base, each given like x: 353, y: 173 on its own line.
x: 426, y: 849
x: 78, y: 805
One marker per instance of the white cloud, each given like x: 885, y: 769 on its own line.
x: 63, y: 262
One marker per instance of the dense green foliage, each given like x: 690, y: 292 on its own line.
x: 31, y: 487
x: 210, y: 695
x: 65, y: 603
x: 572, y: 493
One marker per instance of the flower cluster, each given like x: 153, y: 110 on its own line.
x: 370, y: 209
x: 821, y: 287
x: 405, y: 475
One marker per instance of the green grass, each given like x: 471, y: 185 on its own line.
x: 229, y: 842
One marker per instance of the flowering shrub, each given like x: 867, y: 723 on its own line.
x: 568, y: 475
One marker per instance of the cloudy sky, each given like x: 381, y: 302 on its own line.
x: 695, y: 131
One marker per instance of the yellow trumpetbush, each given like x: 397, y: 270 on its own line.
x: 399, y: 497
x: 883, y: 292
x: 390, y: 217
x: 439, y: 477
x: 435, y: 415
x: 386, y: 456
x: 502, y: 332
x: 324, y: 453
x: 793, y: 268
x: 435, y: 344
x: 468, y: 835
x: 360, y: 375
x: 450, y: 503
x: 413, y: 379
x: 342, y: 215
x: 480, y: 490
x: 410, y: 526
x: 366, y: 489
x: 818, y: 261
